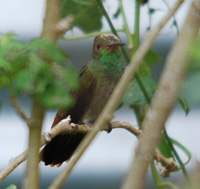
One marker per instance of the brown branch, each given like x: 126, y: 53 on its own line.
x: 64, y: 25
x: 164, y: 99
x: 36, y: 121
x: 127, y: 126
x: 166, y: 165
x: 62, y: 126
x: 66, y: 127
x: 51, y: 20
x: 13, y: 163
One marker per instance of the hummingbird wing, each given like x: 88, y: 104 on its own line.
x: 61, y: 147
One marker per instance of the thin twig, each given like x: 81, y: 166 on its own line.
x: 14, y: 162
x: 63, y: 126
x: 127, y: 126
x: 115, y: 98
x: 165, y: 98
x: 166, y: 165
x: 18, y: 108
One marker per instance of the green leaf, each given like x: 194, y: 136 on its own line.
x: 56, y: 97
x: 152, y: 11
x: 47, y: 50
x: 117, y: 13
x: 155, y: 175
x: 71, y: 76
x: 12, y: 186
x: 134, y: 95
x: 87, y: 15
x: 149, y: 60
x: 184, y: 149
x: 165, y: 148
x: 38, y: 68
x: 195, y: 55
x: 10, y: 45
x: 144, y: 69
x: 184, y: 105
x: 24, y: 82
x: 4, y: 65
x: 174, y: 23
x: 4, y: 81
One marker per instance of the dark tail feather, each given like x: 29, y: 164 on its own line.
x: 61, y: 148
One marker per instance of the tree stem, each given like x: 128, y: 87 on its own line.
x: 32, y: 171
x: 168, y: 89
x: 52, y: 18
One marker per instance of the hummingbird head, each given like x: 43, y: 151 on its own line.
x: 108, y: 42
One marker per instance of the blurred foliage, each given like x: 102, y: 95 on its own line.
x: 37, y: 68
x: 86, y: 13
x: 184, y: 105
x: 134, y: 94
x: 195, y: 54
x: 165, y: 148
x: 12, y: 186
x: 149, y: 60
x: 191, y: 89
x: 184, y: 150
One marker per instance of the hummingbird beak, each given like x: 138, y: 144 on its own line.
x: 115, y: 44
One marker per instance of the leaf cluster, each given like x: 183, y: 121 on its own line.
x: 86, y: 13
x: 134, y: 95
x: 37, y: 68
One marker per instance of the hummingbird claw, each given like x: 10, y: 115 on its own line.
x: 109, y: 125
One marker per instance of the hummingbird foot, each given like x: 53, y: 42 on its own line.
x: 109, y: 125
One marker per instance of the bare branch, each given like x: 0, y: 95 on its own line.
x: 14, y: 162
x: 64, y: 126
x: 127, y: 126
x: 45, y: 138
x: 164, y: 99
x: 64, y: 25
x: 166, y: 165
x: 32, y: 171
x: 18, y: 108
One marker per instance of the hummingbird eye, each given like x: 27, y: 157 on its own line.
x: 98, y: 46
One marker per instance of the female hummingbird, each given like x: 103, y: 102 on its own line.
x: 97, y: 80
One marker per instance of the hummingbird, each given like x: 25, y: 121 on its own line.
x: 97, y: 80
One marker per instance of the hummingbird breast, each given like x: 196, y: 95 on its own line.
x: 103, y: 91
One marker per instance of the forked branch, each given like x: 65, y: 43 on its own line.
x: 65, y: 126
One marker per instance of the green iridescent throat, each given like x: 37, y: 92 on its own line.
x: 109, y: 62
